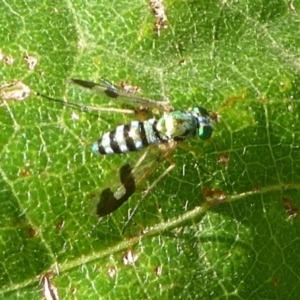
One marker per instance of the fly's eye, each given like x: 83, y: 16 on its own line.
x: 205, y: 132
x: 205, y: 129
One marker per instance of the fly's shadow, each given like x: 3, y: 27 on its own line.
x: 109, y: 201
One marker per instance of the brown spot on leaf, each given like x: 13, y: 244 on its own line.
x: 290, y: 208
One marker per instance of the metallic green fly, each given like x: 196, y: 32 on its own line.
x: 173, y: 127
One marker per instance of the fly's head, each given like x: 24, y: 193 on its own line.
x: 205, y: 127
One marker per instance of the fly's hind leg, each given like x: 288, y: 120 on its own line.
x: 164, y: 154
x: 145, y: 194
x: 88, y: 108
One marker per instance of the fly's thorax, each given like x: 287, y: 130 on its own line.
x: 177, y: 125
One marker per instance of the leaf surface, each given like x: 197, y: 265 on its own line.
x: 231, y: 234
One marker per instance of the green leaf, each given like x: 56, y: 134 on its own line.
x: 231, y: 233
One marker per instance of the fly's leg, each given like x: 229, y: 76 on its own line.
x: 131, y: 215
x: 188, y: 148
x: 165, y: 154
x: 194, y: 150
x: 88, y: 107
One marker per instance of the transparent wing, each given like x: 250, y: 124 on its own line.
x: 132, y: 178
x: 108, y: 89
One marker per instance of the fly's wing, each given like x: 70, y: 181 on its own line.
x: 107, y: 88
x: 132, y: 178
x: 109, y: 201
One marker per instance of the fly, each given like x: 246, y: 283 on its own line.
x: 166, y: 132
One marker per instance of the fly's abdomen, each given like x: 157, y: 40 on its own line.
x: 125, y: 138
